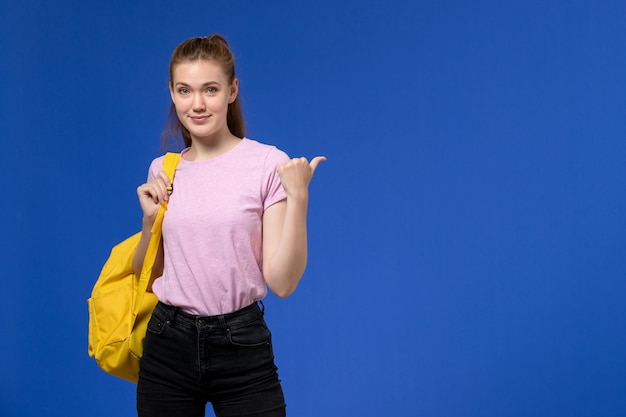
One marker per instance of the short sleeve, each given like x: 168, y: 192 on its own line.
x: 274, y: 191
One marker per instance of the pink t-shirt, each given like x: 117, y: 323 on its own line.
x: 212, y: 230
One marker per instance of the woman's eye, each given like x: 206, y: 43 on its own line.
x: 211, y: 90
x: 183, y: 90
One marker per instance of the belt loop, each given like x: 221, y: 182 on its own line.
x: 223, y: 322
x: 262, y: 307
x: 174, y: 314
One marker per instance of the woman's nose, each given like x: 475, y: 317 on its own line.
x: 198, y: 103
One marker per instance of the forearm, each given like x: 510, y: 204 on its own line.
x: 142, y: 248
x: 288, y: 262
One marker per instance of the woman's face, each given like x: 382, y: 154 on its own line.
x: 201, y: 93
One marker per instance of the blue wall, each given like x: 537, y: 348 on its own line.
x: 467, y: 233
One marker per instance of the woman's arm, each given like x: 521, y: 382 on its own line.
x: 284, y: 228
x: 151, y: 195
x: 142, y: 248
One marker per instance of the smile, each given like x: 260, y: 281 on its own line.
x: 199, y: 119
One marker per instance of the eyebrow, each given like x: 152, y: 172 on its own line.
x: 182, y: 84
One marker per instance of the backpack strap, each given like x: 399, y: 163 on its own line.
x: 170, y: 162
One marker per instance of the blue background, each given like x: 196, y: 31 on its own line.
x: 467, y: 232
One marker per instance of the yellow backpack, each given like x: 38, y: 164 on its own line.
x: 121, y: 305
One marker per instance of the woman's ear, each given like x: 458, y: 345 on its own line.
x: 171, y: 90
x: 234, y: 90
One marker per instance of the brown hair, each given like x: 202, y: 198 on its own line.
x: 210, y: 48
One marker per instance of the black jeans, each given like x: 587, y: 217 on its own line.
x: 226, y: 360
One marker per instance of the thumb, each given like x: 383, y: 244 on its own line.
x: 315, y: 162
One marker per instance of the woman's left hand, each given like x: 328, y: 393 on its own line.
x: 296, y: 175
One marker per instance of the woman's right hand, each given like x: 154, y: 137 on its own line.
x: 152, y: 194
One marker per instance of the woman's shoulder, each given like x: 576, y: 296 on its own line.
x: 155, y: 166
x: 256, y: 145
x: 157, y: 162
x: 267, y: 150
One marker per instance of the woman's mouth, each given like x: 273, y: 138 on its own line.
x: 199, y: 119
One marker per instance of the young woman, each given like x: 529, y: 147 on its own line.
x: 235, y: 225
